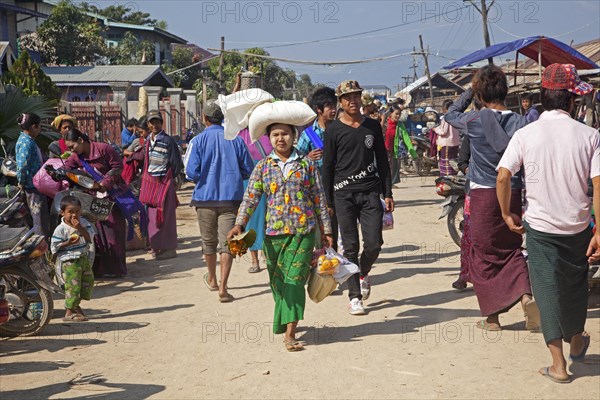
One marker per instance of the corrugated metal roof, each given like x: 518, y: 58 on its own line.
x: 437, y: 79
x: 137, y: 75
x: 590, y: 49
x: 414, y: 85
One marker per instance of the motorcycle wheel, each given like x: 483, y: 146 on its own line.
x: 425, y: 168
x: 30, y: 305
x: 456, y: 221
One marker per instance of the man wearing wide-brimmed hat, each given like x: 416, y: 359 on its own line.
x: 560, y: 155
x: 355, y: 172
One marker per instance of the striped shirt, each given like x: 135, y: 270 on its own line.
x: 158, y: 159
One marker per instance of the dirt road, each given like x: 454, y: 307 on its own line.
x: 160, y: 333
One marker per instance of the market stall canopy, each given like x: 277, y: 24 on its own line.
x: 552, y: 51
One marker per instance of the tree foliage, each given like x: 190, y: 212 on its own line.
x: 132, y: 51
x: 28, y: 75
x: 275, y: 80
x: 184, y: 57
x: 13, y: 103
x: 69, y: 37
x: 124, y: 13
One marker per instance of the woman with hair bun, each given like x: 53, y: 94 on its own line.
x: 105, y: 162
x: 29, y: 161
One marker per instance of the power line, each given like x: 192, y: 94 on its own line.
x: 312, y: 62
x: 366, y: 32
x: 343, y: 38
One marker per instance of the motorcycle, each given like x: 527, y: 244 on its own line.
x: 13, y: 209
x: 83, y: 187
x: 419, y: 127
x: 25, y: 282
x: 8, y: 168
x: 453, y: 189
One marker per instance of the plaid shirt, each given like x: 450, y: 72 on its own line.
x: 295, y: 203
x: 305, y: 146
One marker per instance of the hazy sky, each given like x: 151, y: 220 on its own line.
x: 449, y: 29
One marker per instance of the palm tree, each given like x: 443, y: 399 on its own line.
x: 13, y: 103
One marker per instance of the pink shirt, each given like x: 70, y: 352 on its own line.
x: 559, y: 154
x: 448, y: 136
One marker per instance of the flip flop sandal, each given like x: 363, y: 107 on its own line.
x: 211, y: 288
x: 486, y: 326
x: 75, y: 318
x: 226, y: 298
x: 546, y: 373
x: 78, y: 310
x: 254, y: 269
x: 581, y: 355
x: 532, y: 316
x: 292, y: 345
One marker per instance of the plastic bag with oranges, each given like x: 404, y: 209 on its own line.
x: 327, y: 264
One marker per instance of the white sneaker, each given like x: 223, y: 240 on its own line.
x: 356, y: 307
x: 365, y: 287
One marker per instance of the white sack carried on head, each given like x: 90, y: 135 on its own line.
x: 237, y: 108
x: 290, y: 112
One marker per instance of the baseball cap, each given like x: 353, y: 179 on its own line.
x: 212, y: 110
x: 564, y: 77
x: 154, y: 114
x: 346, y: 87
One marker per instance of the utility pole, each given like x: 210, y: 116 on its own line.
x: 484, y: 16
x: 221, y: 62
x: 414, y: 66
x: 424, y: 54
x: 406, y: 79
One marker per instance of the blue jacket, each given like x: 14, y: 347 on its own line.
x: 126, y: 137
x: 218, y: 167
x: 489, y: 132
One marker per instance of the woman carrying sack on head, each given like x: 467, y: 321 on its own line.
x: 163, y: 163
x: 296, y: 207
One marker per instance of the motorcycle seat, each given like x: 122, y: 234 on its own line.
x: 7, y: 193
x: 11, y: 210
x: 10, y: 236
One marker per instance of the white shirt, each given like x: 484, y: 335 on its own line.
x: 559, y: 155
x: 286, y: 167
x: 74, y: 250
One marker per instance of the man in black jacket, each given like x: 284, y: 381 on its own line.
x: 355, y: 172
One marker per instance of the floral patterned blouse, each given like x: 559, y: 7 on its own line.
x: 295, y: 204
